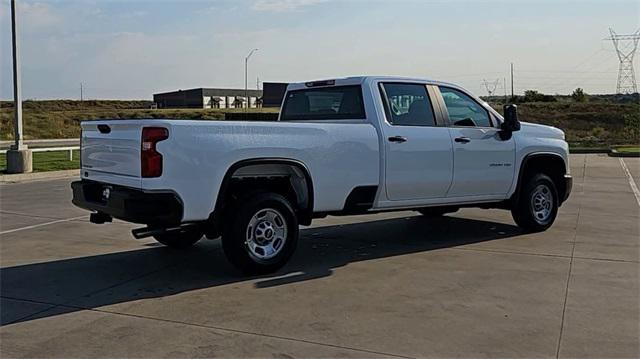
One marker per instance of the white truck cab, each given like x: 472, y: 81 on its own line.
x: 354, y: 145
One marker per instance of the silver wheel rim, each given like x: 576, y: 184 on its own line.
x: 266, y: 234
x: 542, y: 203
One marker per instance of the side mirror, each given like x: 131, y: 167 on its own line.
x: 511, y: 123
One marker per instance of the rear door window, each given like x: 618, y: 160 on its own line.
x: 327, y: 103
x: 408, y: 105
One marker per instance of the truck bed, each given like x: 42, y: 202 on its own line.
x: 339, y: 155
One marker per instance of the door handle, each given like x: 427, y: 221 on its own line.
x: 462, y: 139
x: 398, y: 139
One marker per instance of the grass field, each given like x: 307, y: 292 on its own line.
x: 48, y: 161
x: 628, y: 149
x: 587, y: 124
x: 599, y: 123
x: 61, y: 119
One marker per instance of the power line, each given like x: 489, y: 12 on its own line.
x: 568, y: 71
x: 474, y: 75
x: 561, y: 82
x: 585, y: 71
x: 588, y: 58
x: 562, y: 78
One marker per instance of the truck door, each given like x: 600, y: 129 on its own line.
x: 483, y: 162
x: 419, y: 161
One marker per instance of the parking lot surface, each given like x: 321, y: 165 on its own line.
x: 470, y: 284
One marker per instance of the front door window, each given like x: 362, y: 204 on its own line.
x: 463, y: 110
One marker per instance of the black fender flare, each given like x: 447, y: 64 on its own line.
x: 515, y: 196
x: 305, y: 214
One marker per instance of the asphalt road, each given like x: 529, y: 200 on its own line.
x: 396, y: 285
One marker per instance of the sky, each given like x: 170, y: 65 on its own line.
x: 132, y: 49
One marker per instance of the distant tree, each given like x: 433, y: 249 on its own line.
x: 531, y: 96
x: 535, y: 96
x: 632, y: 127
x: 578, y: 95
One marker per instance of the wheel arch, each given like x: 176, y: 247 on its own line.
x: 263, y: 168
x: 550, y: 163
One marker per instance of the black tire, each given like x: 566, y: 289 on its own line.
x: 181, y: 240
x: 241, y: 231
x: 436, y: 212
x: 524, y: 211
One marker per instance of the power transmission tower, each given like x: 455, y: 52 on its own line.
x: 626, y: 46
x: 490, y: 86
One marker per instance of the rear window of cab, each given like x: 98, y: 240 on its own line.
x: 326, y: 103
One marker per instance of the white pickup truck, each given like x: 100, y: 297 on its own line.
x: 347, y: 146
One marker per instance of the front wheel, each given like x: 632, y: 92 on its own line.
x: 261, y: 233
x: 537, y: 205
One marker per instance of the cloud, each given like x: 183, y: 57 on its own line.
x: 210, y: 9
x: 283, y: 5
x: 134, y: 14
x: 38, y: 16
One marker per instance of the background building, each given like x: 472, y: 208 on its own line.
x: 209, y: 98
x: 271, y: 96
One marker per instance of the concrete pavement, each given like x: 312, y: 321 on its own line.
x: 396, y: 285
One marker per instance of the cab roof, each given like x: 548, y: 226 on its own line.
x: 359, y: 80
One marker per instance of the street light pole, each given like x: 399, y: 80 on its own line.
x: 19, y: 158
x: 17, y: 95
x: 246, y: 74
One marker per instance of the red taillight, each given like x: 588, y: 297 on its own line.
x: 150, y: 159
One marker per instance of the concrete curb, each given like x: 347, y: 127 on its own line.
x: 588, y: 150
x: 615, y: 153
x: 22, y: 177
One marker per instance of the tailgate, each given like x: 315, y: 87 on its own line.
x: 111, y: 147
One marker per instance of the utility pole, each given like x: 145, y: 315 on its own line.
x: 257, y: 83
x: 246, y: 73
x: 504, y: 86
x: 19, y: 158
x: 81, y: 97
x: 512, y: 94
x: 625, y: 50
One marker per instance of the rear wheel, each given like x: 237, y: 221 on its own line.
x: 179, y: 240
x: 537, y: 205
x: 260, y: 234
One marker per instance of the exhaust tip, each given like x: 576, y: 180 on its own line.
x: 144, y: 232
